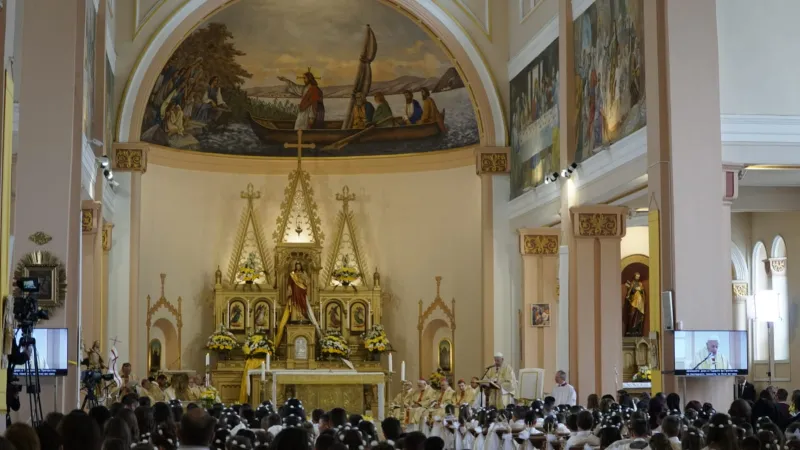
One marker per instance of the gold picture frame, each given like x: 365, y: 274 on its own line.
x: 50, y: 272
x: 540, y: 315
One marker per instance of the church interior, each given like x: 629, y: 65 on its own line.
x: 325, y: 200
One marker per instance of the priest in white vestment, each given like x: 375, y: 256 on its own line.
x: 564, y: 393
x: 502, y: 375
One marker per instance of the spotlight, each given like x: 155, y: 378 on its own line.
x: 546, y: 180
x: 103, y: 161
x: 566, y: 173
x: 555, y: 176
x: 108, y: 174
x: 113, y: 183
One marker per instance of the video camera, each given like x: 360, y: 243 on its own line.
x: 26, y: 307
x: 92, y: 377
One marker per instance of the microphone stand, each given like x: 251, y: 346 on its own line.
x: 483, y: 377
x: 701, y: 362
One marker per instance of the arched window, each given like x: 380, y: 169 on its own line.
x: 760, y: 283
x: 781, y: 286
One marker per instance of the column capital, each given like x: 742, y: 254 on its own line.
x: 598, y: 221
x: 492, y: 160
x: 107, y: 228
x: 777, y: 266
x: 539, y: 241
x: 130, y: 157
x: 740, y: 289
x: 90, y: 216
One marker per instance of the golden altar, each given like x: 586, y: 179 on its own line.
x: 256, y: 295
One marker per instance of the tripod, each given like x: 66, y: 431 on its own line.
x: 33, y: 386
x: 90, y: 400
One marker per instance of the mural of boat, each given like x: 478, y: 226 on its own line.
x: 272, y: 132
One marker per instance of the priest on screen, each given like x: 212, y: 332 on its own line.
x: 502, y: 375
x: 709, y: 357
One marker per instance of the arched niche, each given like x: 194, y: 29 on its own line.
x: 778, y: 248
x: 170, y: 350
x: 165, y: 321
x: 436, y: 324
x: 460, y: 47
x: 739, y: 262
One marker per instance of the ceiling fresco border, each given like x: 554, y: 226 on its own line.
x: 139, y: 24
x: 486, y: 28
x: 436, y: 17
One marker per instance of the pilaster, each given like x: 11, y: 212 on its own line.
x: 91, y: 270
x: 595, y: 333
x: 539, y: 248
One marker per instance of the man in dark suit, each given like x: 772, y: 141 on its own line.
x: 745, y: 390
x: 782, y: 396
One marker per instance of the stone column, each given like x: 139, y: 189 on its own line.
x: 540, y: 253
x: 779, y: 283
x: 105, y: 240
x: 684, y: 152
x: 741, y: 290
x: 595, y: 314
x: 493, y: 165
x: 130, y: 160
x: 91, y: 271
x: 48, y: 181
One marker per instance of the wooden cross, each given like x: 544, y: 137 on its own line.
x: 345, y: 197
x: 115, y: 341
x: 299, y: 146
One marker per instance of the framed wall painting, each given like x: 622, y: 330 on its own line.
x: 540, y: 315
x: 237, y: 311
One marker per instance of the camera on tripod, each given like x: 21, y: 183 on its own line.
x: 26, y: 307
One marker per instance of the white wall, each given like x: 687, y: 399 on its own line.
x: 414, y: 226
x: 635, y: 242
x: 758, y: 73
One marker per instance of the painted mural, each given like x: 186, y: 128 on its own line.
x: 534, y: 122
x: 609, y: 69
x: 358, y: 76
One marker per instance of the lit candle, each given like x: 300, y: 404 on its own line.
x: 269, y: 357
x: 390, y: 362
x: 208, y: 359
x: 403, y: 371
x: 263, y: 372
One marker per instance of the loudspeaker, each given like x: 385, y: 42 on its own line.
x: 667, y: 312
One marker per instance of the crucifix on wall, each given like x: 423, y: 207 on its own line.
x: 299, y: 146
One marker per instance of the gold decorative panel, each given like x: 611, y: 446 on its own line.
x: 740, y: 288
x: 329, y: 396
x: 107, y: 227
x: 130, y: 158
x: 40, y: 238
x: 539, y: 244
x: 492, y: 161
x: 594, y: 221
x: 777, y: 266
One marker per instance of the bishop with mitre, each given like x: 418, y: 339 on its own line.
x: 501, y: 376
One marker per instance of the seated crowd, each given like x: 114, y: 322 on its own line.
x: 622, y: 423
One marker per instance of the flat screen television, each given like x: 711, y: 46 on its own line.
x: 51, y: 349
x: 710, y: 353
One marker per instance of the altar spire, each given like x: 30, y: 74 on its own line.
x: 346, y: 251
x: 298, y: 221
x: 249, y: 246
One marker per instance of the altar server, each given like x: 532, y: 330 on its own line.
x: 564, y: 393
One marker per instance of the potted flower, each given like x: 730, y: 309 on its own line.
x: 222, y: 341
x: 333, y: 345
x: 644, y: 375
x: 257, y: 346
x: 250, y: 271
x: 375, y: 341
x: 345, y: 275
x: 209, y: 396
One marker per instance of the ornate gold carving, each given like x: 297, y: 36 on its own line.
x: 424, y: 316
x: 740, y: 288
x: 777, y: 265
x: 298, y: 212
x: 177, y: 313
x: 254, y: 240
x: 40, y: 238
x: 346, y: 244
x: 107, y: 228
x: 598, y: 224
x: 52, y: 277
x: 130, y: 159
x: 494, y: 163
x: 540, y: 245
x: 87, y: 220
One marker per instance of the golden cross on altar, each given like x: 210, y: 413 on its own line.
x: 299, y: 146
x: 345, y: 197
x: 251, y: 194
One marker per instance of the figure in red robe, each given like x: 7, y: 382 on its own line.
x: 311, y: 112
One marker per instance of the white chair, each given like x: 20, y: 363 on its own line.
x: 531, y: 384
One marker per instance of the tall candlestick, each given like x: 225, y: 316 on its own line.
x: 263, y: 372
x: 208, y: 359
x: 403, y: 371
x: 390, y: 361
x: 269, y: 357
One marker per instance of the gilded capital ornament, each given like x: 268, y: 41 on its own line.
x: 595, y: 221
x: 540, y: 245
x: 777, y: 266
x: 40, y: 238
x: 87, y: 220
x: 130, y: 157
x: 740, y: 288
x: 107, y: 236
x: 492, y: 160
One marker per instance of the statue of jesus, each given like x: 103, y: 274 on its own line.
x: 298, y: 290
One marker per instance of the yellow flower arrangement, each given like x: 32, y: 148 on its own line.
x: 436, y: 378
x: 250, y: 271
x: 375, y: 340
x: 257, y: 346
x: 222, y: 340
x: 345, y: 275
x: 644, y: 375
x: 333, y: 344
x: 209, y: 396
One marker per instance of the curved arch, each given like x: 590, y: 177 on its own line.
x: 171, y: 352
x: 759, y: 281
x: 428, y: 341
x: 739, y: 263
x: 181, y: 21
x: 778, y: 249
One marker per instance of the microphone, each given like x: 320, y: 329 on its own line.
x: 701, y: 362
x: 489, y: 367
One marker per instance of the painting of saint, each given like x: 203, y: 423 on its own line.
x: 236, y: 315
x: 155, y: 356
x: 45, y: 277
x: 609, y: 72
x: 535, y: 122
x: 261, y: 315
x: 540, y: 315
x: 361, y: 78
x: 445, y: 355
x: 358, y: 317
x: 635, y: 290
x: 334, y: 317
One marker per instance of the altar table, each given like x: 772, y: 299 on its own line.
x: 325, y: 389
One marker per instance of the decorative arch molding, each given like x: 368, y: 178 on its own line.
x: 778, y: 249
x: 183, y: 20
x: 739, y: 263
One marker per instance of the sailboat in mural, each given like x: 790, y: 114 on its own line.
x: 337, y: 134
